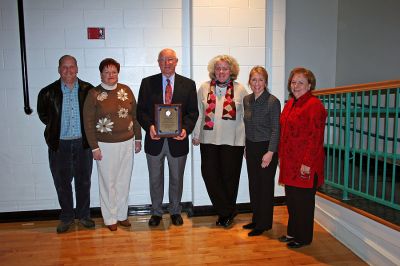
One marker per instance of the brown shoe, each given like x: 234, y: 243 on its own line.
x: 112, y: 227
x: 125, y: 223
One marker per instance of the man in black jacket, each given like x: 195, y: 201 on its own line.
x: 59, y: 107
x: 166, y: 87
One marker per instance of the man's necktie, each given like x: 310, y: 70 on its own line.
x: 168, y: 92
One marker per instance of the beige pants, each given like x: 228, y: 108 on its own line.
x: 115, y: 171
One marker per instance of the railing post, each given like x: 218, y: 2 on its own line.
x: 347, y: 147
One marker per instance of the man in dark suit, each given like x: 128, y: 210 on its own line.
x: 156, y: 89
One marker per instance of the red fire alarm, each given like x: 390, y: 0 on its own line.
x: 96, y: 33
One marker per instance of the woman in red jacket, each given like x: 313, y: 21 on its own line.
x: 301, y: 155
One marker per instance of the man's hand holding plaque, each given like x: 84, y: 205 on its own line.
x: 168, y: 118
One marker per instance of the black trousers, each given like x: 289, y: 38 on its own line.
x: 72, y: 161
x: 221, y: 166
x: 300, y: 203
x: 261, y: 184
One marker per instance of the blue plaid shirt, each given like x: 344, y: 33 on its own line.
x: 70, y: 117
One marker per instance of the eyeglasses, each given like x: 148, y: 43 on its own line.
x: 294, y: 83
x: 106, y: 73
x: 221, y: 69
x: 167, y: 59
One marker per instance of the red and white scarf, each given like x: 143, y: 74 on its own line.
x: 229, y: 107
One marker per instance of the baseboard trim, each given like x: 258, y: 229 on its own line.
x: 208, y: 210
x: 375, y: 243
x: 40, y: 215
x: 133, y: 210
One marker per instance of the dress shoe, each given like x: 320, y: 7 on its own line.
x: 220, y: 221
x: 227, y: 222
x: 176, y: 219
x: 155, y: 220
x: 285, y: 239
x: 295, y: 244
x: 255, y: 232
x: 63, y: 227
x: 125, y: 223
x: 249, y: 226
x: 87, y: 222
x: 112, y: 227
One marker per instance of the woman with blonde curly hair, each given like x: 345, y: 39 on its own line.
x: 220, y: 132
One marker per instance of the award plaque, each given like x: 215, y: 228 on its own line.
x: 168, y: 119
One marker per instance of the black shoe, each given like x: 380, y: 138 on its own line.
x: 227, y: 222
x: 87, y: 222
x: 176, y: 219
x: 255, y: 232
x: 295, y: 244
x: 285, y: 239
x: 63, y: 227
x: 220, y: 221
x: 155, y: 220
x: 249, y: 226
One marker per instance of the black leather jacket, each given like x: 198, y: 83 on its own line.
x: 49, y: 107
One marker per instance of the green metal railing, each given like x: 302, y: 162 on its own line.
x: 361, y: 140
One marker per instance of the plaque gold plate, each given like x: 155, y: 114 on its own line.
x: 168, y: 119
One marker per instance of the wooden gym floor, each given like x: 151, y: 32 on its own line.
x: 197, y: 242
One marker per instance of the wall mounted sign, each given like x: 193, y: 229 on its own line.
x: 96, y: 33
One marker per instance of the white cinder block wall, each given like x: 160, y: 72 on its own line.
x: 135, y: 30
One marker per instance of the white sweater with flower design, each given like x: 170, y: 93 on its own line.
x: 110, y: 115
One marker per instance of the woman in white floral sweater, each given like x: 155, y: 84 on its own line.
x: 113, y: 132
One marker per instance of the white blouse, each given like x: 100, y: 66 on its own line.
x: 225, y: 132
